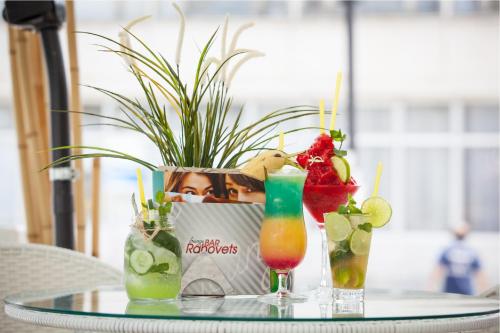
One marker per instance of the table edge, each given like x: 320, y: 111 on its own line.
x: 143, y: 325
x: 243, y: 319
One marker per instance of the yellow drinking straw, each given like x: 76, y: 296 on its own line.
x: 141, y: 190
x: 377, y: 179
x: 322, y: 116
x: 281, y: 144
x: 336, y: 100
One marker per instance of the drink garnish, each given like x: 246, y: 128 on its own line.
x: 350, y: 208
x: 326, y: 164
x: 342, y: 167
x: 360, y: 242
x: 338, y: 226
x: 378, y: 210
x: 141, y: 261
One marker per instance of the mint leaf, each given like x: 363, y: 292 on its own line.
x: 159, y: 197
x: 339, y: 152
x: 355, y: 210
x: 148, y: 225
x: 166, y: 240
x: 341, y: 251
x: 337, y: 135
x: 342, y: 210
x: 161, y: 268
x: 151, y: 204
x: 163, y: 211
x: 365, y: 226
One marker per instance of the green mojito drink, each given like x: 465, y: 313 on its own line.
x: 349, y: 232
x: 152, y: 266
x: 152, y: 262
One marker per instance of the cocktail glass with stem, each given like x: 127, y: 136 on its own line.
x: 283, y: 234
x: 321, y: 199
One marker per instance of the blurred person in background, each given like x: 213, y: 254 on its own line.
x: 459, y: 266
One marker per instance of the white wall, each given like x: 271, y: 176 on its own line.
x: 456, y: 57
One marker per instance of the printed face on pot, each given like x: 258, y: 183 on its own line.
x: 193, y: 183
x: 196, y: 184
x: 245, y: 189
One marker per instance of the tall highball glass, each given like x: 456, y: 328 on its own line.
x: 283, y: 238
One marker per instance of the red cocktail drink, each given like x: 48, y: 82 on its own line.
x: 328, y: 185
x: 321, y: 199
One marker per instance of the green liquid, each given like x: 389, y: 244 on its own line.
x: 284, y: 194
x: 152, y: 285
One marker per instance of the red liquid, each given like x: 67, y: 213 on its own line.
x: 283, y: 264
x: 321, y: 199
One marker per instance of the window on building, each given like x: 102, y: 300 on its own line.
x: 482, y: 119
x: 426, y: 188
x: 373, y: 120
x: 482, y: 182
x: 427, y: 119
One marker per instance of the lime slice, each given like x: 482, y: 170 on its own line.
x: 360, y: 242
x: 342, y: 167
x: 360, y: 279
x: 357, y: 219
x: 141, y: 261
x: 337, y: 226
x: 379, y: 211
x: 342, y: 275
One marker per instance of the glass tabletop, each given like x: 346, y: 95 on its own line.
x: 378, y: 305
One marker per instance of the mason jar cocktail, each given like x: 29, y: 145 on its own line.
x: 152, y: 263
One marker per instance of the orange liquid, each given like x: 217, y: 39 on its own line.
x: 283, y: 242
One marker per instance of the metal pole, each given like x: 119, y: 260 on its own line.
x: 350, y: 58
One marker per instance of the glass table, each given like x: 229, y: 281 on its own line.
x: 109, y: 310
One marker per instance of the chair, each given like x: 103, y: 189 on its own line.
x: 493, y: 292
x: 34, y: 267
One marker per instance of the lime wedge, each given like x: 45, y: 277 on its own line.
x: 342, y: 167
x: 360, y: 242
x: 342, y: 275
x: 337, y: 226
x: 361, y: 279
x: 379, y: 211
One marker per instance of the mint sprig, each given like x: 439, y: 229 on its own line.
x: 350, y: 208
x: 338, y: 136
x: 365, y: 226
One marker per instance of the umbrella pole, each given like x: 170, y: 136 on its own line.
x: 62, y: 174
